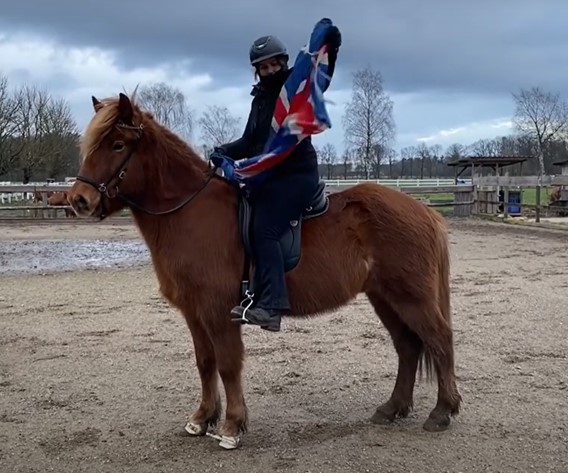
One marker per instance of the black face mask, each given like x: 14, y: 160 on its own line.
x: 275, y: 80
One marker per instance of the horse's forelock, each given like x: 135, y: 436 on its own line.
x: 100, y: 126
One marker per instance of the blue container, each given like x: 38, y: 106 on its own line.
x: 514, y: 207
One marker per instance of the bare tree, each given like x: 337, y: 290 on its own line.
x: 347, y: 161
x: 455, y: 151
x: 169, y: 107
x: 328, y: 157
x: 485, y: 147
x: 46, y: 132
x: 218, y: 126
x: 435, y: 159
x: 32, y: 113
x: 390, y: 154
x: 423, y: 153
x: 368, y: 119
x: 407, y: 154
x: 60, y: 139
x: 543, y: 117
x: 9, y: 147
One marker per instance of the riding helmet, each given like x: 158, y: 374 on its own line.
x: 266, y: 47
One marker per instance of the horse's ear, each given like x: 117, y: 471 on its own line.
x: 125, y: 111
x: 97, y: 104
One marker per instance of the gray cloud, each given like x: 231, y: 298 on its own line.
x: 482, y: 46
x: 458, y: 61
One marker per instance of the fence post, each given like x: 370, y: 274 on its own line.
x: 537, y: 213
x: 462, y: 196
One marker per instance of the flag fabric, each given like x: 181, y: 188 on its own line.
x: 300, y: 111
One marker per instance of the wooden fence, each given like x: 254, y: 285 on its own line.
x: 450, y: 199
x: 493, y: 192
x: 489, y: 195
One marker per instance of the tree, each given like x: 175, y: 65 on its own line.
x: 407, y: 154
x: 390, y: 154
x: 32, y: 113
x: 61, y: 139
x: 435, y: 159
x: 455, y: 151
x: 347, y: 161
x: 9, y: 110
x: 218, y: 126
x: 46, y: 132
x: 368, y: 119
x: 328, y: 157
x: 485, y: 147
x: 543, y: 117
x: 169, y: 107
x: 423, y: 152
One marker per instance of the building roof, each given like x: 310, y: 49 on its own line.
x: 489, y: 161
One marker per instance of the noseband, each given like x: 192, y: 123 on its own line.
x: 120, y: 173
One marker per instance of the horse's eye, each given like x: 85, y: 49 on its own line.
x: 118, y: 146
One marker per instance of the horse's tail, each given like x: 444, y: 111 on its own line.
x: 426, y: 361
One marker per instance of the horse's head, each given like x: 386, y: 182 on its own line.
x: 109, y: 163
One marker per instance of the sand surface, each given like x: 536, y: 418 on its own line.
x: 97, y: 373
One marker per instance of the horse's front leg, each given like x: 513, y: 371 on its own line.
x: 229, y: 353
x: 210, y: 407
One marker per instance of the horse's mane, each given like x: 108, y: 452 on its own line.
x: 108, y: 115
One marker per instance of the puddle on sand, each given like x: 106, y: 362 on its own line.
x: 46, y: 256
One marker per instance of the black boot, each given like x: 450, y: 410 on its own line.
x: 267, y: 319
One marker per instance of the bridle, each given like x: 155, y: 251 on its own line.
x: 104, y: 188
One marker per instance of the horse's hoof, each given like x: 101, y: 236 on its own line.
x: 229, y: 442
x: 381, y: 418
x: 437, y: 424
x: 194, y: 429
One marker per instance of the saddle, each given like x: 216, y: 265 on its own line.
x: 291, y: 241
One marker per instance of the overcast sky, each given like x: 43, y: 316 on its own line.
x: 449, y: 66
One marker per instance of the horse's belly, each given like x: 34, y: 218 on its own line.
x: 326, y: 279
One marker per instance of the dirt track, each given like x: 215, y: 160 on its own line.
x: 98, y: 374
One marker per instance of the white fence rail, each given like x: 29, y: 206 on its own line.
x: 21, y: 195
x: 398, y: 182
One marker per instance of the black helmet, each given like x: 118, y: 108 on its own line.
x: 266, y: 47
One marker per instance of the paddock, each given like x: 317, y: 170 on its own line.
x: 97, y: 373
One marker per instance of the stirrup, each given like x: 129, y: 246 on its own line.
x: 246, y: 303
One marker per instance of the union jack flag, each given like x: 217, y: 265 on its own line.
x: 300, y: 110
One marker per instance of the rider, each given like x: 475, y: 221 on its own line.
x: 289, y: 189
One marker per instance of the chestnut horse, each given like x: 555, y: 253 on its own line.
x: 59, y: 198
x: 371, y: 240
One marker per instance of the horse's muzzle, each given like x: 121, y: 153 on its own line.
x: 84, y: 201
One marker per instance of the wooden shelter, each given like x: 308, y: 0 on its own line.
x: 563, y: 166
x: 559, y: 196
x: 477, y: 163
x: 491, y: 199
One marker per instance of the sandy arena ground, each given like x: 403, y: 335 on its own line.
x: 97, y: 373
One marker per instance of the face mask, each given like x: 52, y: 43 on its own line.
x: 274, y: 80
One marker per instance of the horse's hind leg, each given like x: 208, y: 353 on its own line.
x: 426, y: 320
x: 408, y: 347
x: 210, y: 407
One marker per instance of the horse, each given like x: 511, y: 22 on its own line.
x: 368, y: 239
x: 38, y: 196
x: 555, y: 195
x: 60, y: 198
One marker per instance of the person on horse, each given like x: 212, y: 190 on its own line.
x: 286, y: 192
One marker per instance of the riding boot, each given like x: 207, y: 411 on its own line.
x: 267, y: 319
x: 270, y: 282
